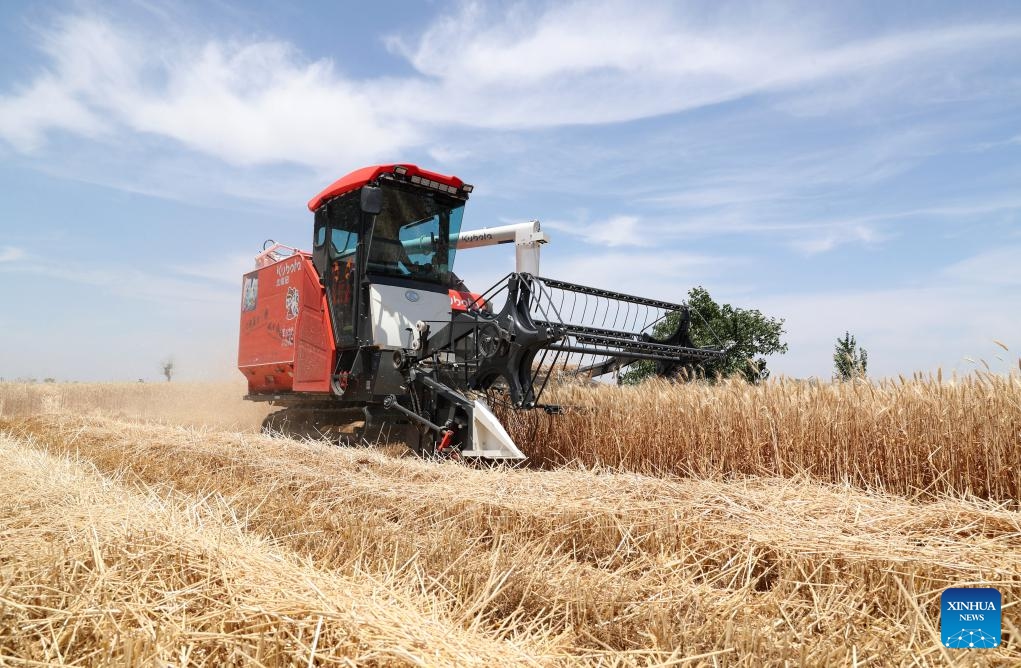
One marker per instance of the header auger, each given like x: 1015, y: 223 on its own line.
x: 371, y: 335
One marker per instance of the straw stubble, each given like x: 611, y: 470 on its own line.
x: 585, y: 565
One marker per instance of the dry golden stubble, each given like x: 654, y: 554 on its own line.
x: 96, y: 573
x: 766, y: 569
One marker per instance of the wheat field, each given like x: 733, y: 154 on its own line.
x: 924, y: 435
x: 787, y: 524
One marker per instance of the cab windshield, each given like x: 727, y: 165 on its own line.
x: 411, y: 235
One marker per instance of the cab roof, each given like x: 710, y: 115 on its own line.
x: 360, y: 177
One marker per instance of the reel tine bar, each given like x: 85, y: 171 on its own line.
x: 606, y: 330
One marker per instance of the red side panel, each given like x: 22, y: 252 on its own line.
x: 360, y: 177
x: 285, y: 341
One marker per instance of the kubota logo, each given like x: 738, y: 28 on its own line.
x: 285, y: 269
x: 463, y: 301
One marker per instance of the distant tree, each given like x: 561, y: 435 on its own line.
x: 745, y: 334
x: 168, y: 369
x: 49, y: 380
x: 849, y: 361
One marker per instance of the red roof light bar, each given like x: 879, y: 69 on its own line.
x: 359, y: 177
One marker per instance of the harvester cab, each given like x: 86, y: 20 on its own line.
x: 372, y: 336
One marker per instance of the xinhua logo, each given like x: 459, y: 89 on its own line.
x: 970, y: 618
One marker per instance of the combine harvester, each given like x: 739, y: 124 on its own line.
x: 372, y: 336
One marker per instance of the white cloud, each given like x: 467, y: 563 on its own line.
x: 808, y: 238
x: 954, y: 209
x: 765, y: 176
x: 448, y: 155
x: 260, y: 102
x: 226, y: 270
x: 826, y: 240
x: 11, y: 253
x: 244, y: 103
x: 603, y: 62
x: 614, y: 231
x: 1001, y: 266
x: 666, y: 274
x: 126, y: 281
x: 46, y: 104
x: 789, y: 195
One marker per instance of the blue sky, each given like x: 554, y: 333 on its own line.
x: 851, y: 167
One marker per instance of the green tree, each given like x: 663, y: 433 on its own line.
x: 746, y: 335
x: 849, y: 360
